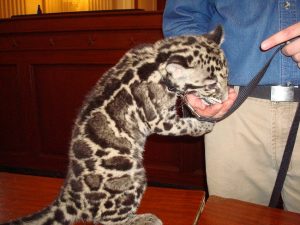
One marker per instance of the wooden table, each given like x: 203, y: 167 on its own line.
x: 222, y: 211
x: 22, y: 194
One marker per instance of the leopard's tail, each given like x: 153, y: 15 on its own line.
x: 56, y: 213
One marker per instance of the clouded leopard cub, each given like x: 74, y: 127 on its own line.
x: 135, y: 98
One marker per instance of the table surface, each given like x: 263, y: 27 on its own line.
x: 222, y: 211
x: 23, y: 194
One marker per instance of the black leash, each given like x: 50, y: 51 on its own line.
x: 242, y: 96
x: 286, y: 158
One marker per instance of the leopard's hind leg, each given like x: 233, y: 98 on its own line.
x: 137, y: 219
x: 144, y: 219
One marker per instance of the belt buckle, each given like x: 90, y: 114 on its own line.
x: 282, y: 93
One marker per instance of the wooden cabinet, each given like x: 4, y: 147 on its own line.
x: 47, y: 65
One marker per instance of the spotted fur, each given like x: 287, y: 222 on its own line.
x: 135, y: 98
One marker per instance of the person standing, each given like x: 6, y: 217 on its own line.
x: 244, y: 151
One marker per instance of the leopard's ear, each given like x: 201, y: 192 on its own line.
x: 216, y: 35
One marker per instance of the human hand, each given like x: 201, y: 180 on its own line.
x: 212, y: 111
x: 289, y: 35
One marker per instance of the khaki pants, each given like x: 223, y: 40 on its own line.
x: 244, y: 151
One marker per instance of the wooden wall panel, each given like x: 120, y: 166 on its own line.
x: 94, y: 40
x: 161, y: 5
x: 175, y: 160
x: 10, y: 110
x: 48, y: 63
x: 60, y: 91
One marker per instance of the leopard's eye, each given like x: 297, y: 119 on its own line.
x: 212, y: 86
x: 169, y: 88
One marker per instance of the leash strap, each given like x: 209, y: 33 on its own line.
x: 286, y: 158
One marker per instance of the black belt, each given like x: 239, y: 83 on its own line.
x: 276, y: 93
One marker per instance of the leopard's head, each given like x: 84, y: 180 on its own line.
x: 196, y: 64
